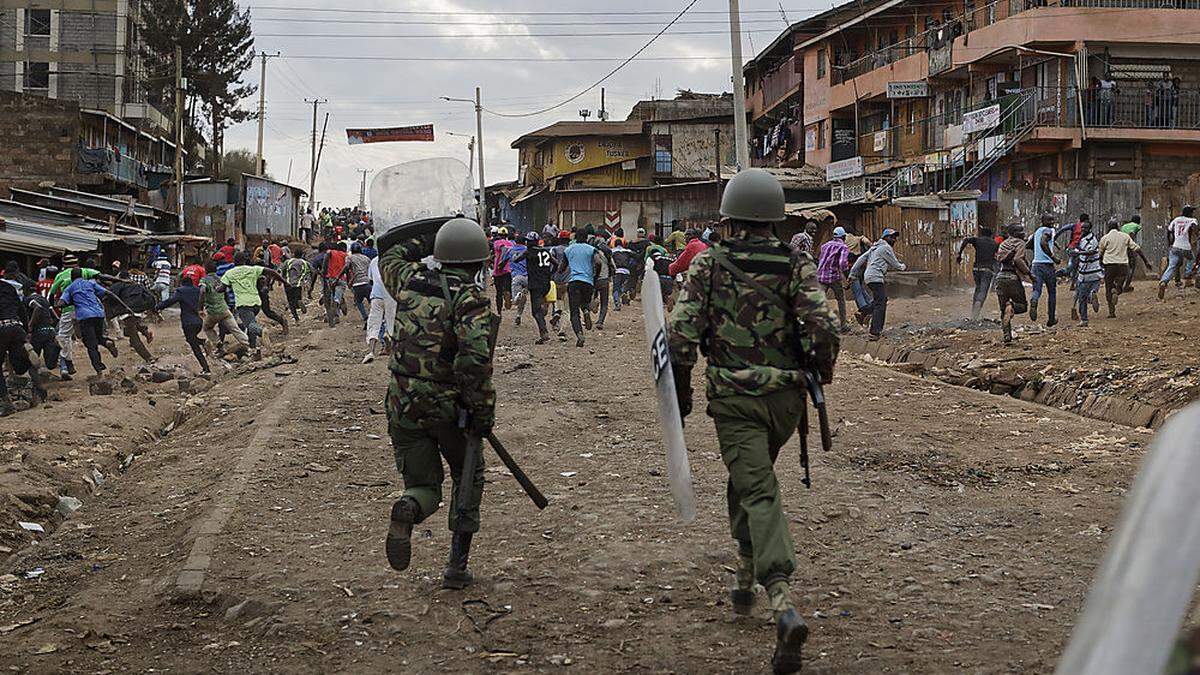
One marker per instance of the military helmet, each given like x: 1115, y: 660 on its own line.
x: 754, y: 195
x: 460, y: 241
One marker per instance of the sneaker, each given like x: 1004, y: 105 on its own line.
x: 369, y: 357
x: 517, y: 321
x: 1083, y: 324
x: 1162, y: 291
x: 111, y: 346
x: 1052, y: 323
x: 578, y: 340
x: 1033, y: 312
x: 599, y: 326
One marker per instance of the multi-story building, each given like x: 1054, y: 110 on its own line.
x: 86, y: 52
x: 657, y: 168
x: 1059, y: 106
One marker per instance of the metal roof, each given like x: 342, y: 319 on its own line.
x: 33, y: 245
x: 569, y: 129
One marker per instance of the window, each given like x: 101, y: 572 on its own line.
x: 539, y: 158
x: 662, y: 154
x: 37, y: 75
x: 37, y: 22
x: 821, y: 63
x: 821, y: 134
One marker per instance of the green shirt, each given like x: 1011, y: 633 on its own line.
x: 214, y: 296
x: 243, y: 279
x: 63, y: 279
x: 1132, y: 229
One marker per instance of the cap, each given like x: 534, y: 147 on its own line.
x: 839, y: 232
x: 193, y: 272
x: 70, y: 259
x: 564, y: 234
x: 532, y: 237
x: 888, y: 232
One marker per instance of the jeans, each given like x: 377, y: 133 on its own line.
x: 1175, y: 260
x: 248, y: 318
x: 1043, y: 275
x: 878, y: 307
x: 860, y: 295
x: 1083, y: 296
x: 619, y: 284
x: 579, y: 296
x: 362, y: 298
x: 983, y: 286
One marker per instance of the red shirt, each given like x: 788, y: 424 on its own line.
x: 694, y: 248
x: 336, y: 264
x: 276, y: 253
x: 1076, y: 234
x: 193, y: 272
x: 227, y: 251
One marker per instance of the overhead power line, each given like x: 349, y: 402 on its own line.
x: 460, y: 36
x: 410, y: 12
x: 403, y: 22
x: 612, y: 72
x: 501, y: 59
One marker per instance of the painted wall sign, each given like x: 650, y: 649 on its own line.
x: 907, y: 89
x: 982, y: 119
x: 846, y: 168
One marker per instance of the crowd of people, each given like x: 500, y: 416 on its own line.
x: 222, y: 295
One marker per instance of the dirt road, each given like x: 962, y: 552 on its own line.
x: 950, y: 531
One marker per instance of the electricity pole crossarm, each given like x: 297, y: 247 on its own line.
x: 262, y: 109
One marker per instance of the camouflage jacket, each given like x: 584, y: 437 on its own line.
x: 753, y: 347
x: 444, y: 337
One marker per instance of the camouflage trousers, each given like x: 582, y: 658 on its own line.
x: 751, y: 430
x: 419, y: 453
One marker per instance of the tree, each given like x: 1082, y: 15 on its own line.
x: 217, y: 46
x: 237, y: 162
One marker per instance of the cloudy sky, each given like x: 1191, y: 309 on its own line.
x: 525, y: 54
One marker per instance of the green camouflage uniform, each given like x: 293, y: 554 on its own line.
x: 756, y: 389
x: 441, y: 364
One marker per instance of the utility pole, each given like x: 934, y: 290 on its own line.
x: 603, y: 111
x: 262, y: 109
x: 320, y: 152
x: 740, y: 134
x: 362, y: 192
x: 483, y: 215
x: 179, y: 134
x: 312, y: 166
x: 482, y: 205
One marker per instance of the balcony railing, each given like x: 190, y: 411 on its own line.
x: 115, y: 165
x: 1127, y: 107
x: 973, y: 19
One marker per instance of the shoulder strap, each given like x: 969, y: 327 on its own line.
x: 738, y: 274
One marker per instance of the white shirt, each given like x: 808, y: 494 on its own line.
x: 164, y: 272
x: 378, y: 290
x: 1181, y: 229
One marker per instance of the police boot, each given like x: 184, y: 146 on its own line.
x: 457, y: 576
x: 790, y: 630
x: 405, y: 512
x: 742, y: 595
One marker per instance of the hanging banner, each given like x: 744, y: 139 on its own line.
x: 422, y: 133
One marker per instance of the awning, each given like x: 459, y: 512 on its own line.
x: 527, y: 193
x: 71, y: 238
x: 32, y: 245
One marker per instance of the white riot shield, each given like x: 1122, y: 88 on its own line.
x: 1148, y: 576
x: 425, y: 188
x: 679, y: 472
